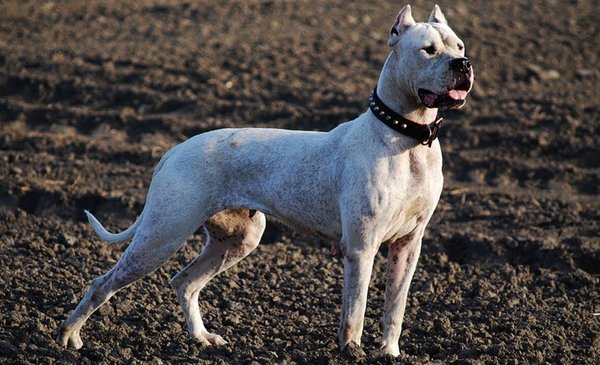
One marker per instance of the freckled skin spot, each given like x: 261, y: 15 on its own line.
x: 410, y: 256
x: 402, y: 241
x: 347, y: 331
x: 415, y: 165
x: 95, y: 294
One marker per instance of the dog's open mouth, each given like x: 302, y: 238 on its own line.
x: 454, y: 98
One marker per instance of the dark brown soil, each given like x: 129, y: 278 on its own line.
x: 93, y: 93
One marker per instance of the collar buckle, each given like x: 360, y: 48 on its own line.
x: 434, y: 130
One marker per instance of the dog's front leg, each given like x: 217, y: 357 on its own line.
x: 402, y: 260
x: 358, y: 265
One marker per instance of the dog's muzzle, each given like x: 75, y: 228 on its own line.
x: 462, y: 72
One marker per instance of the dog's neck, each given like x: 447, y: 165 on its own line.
x: 397, y: 99
x: 424, y: 133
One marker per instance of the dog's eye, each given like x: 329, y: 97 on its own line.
x: 430, y: 49
x: 460, y: 47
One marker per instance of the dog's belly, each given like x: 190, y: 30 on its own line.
x: 329, y: 232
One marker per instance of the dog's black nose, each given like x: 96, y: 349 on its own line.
x: 461, y: 65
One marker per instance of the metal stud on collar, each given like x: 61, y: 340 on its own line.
x: 424, y: 133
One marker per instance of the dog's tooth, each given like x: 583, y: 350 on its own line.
x: 382, y: 113
x: 376, y: 108
x: 388, y: 118
x: 395, y: 122
x: 403, y: 126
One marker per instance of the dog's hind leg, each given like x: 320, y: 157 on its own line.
x: 132, y: 265
x: 232, y: 235
x: 156, y: 238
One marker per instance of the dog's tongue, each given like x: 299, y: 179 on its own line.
x: 432, y: 100
x: 457, y: 94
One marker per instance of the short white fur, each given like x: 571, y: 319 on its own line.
x: 359, y: 185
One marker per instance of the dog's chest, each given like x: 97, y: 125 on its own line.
x: 414, y: 192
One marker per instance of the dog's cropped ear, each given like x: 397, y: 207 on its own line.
x: 404, y: 20
x: 437, y: 16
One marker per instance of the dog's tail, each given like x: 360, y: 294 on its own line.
x: 112, y: 237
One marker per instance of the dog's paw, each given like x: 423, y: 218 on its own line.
x: 208, y: 339
x: 389, y: 349
x: 69, y: 338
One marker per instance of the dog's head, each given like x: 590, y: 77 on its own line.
x: 429, y: 60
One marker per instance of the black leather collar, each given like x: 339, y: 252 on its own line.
x: 424, y: 133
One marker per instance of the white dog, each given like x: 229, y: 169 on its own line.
x: 376, y: 179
